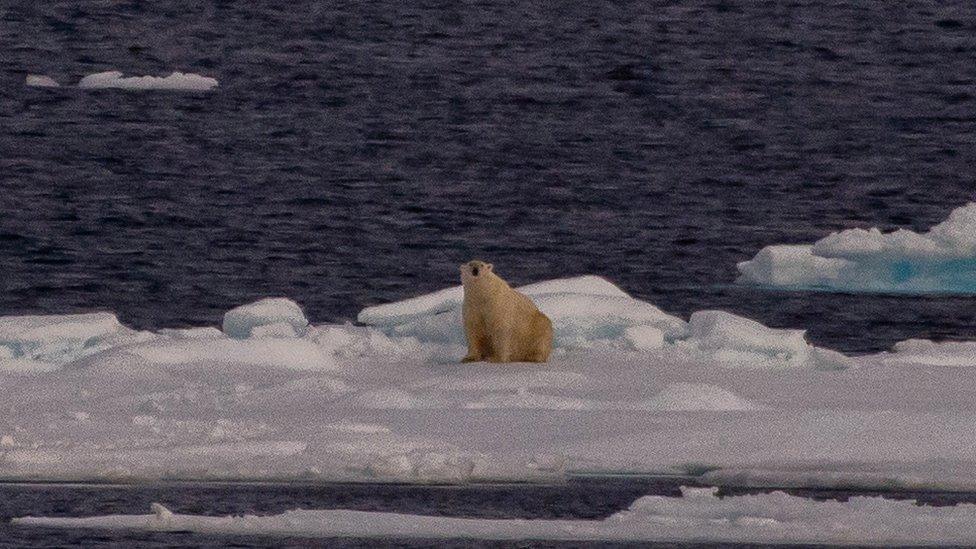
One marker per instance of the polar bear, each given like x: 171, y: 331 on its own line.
x: 501, y: 324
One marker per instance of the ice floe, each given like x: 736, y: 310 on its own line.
x: 699, y: 514
x: 629, y: 388
x: 942, y: 260
x: 175, y: 81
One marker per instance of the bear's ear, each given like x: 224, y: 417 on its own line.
x: 488, y: 266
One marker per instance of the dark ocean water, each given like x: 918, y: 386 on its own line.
x: 592, y: 499
x: 356, y: 152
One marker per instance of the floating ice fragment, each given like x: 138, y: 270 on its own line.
x: 41, y: 81
x: 175, y: 81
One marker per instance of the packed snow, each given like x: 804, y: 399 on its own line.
x: 942, y: 260
x: 175, y: 81
x: 629, y: 388
x: 40, y: 81
x: 699, y: 514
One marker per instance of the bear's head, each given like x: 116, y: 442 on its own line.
x: 475, y: 272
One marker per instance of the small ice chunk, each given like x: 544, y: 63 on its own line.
x: 241, y: 321
x: 41, y: 81
x: 162, y: 514
x: 6, y: 440
x: 175, y: 81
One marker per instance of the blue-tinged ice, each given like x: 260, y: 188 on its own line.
x: 942, y: 260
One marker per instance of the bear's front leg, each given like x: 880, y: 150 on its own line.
x: 477, y: 349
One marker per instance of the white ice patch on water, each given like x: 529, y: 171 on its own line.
x: 942, y: 260
x: 175, y: 81
x: 40, y: 81
x: 271, y: 317
x: 699, y: 515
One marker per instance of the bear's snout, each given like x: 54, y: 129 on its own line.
x: 474, y: 271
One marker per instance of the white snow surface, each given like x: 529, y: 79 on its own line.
x: 629, y: 388
x: 175, y: 81
x: 699, y: 514
x: 941, y: 260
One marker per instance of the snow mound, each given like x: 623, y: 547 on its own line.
x: 585, y: 311
x: 699, y: 515
x: 175, y: 81
x: 269, y: 317
x: 740, y: 341
x: 591, y: 313
x: 45, y: 342
x: 408, y: 310
x: 942, y: 260
x: 40, y: 81
x: 219, y: 354
x: 930, y: 353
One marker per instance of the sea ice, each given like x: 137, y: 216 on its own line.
x: 699, y: 514
x: 942, y: 260
x: 175, y: 81
x: 628, y: 388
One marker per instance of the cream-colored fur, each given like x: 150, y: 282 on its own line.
x: 501, y: 324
